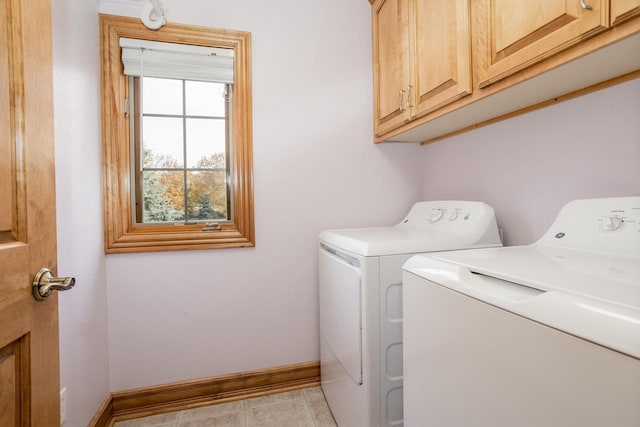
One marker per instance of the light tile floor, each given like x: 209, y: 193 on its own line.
x: 299, y: 408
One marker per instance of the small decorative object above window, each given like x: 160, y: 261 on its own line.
x: 153, y: 15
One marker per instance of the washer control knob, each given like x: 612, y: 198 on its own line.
x: 453, y: 215
x: 436, y: 215
x: 610, y: 223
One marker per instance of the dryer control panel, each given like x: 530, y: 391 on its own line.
x: 472, y: 222
x: 424, y: 213
x: 609, y: 225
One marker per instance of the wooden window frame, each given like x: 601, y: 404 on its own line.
x: 120, y: 234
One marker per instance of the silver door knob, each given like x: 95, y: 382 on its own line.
x: 44, y: 284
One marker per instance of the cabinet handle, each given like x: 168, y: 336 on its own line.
x: 585, y: 6
x: 409, y: 99
x: 401, y: 99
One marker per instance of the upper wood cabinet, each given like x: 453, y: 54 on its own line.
x: 422, y: 58
x: 623, y: 10
x: 440, y: 53
x: 513, y: 35
x: 390, y: 63
x: 444, y: 67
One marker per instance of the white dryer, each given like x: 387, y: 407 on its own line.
x: 360, y: 277
x: 540, y: 335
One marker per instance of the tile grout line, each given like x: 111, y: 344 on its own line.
x: 306, y: 404
x: 244, y: 412
x: 180, y: 414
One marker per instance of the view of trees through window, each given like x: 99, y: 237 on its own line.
x: 183, y: 175
x: 163, y: 190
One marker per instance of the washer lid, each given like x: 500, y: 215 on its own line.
x: 589, y: 295
x: 607, y: 277
x: 582, y: 276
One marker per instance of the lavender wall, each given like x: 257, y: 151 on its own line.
x: 83, y: 311
x: 529, y: 166
x: 181, y: 315
x: 176, y: 316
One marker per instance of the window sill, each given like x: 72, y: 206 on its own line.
x: 160, y: 241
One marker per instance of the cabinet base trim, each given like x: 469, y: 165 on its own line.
x: 612, y: 82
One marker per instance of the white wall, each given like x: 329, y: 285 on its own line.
x: 83, y: 311
x: 181, y: 315
x: 529, y: 166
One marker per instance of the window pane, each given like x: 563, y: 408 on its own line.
x: 163, y: 196
x: 162, y: 142
x: 205, y: 99
x: 205, y: 143
x: 207, y: 195
x: 161, y: 96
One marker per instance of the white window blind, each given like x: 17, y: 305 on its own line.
x: 176, y: 61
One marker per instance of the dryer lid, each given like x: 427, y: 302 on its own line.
x: 429, y: 226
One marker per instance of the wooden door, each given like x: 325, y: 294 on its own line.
x: 624, y: 10
x: 440, y: 53
x: 513, y: 35
x: 29, y: 361
x: 391, y: 79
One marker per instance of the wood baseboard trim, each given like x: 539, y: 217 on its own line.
x: 177, y: 396
x: 103, y: 418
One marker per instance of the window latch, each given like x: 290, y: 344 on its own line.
x: 211, y: 226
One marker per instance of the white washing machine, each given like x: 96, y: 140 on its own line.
x: 360, y: 277
x: 540, y: 335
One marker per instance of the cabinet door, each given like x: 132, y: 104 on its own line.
x: 390, y: 64
x: 513, y: 35
x: 623, y: 10
x: 441, y: 53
